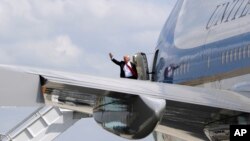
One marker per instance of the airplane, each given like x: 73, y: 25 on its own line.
x: 199, y: 86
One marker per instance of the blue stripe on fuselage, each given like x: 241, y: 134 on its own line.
x: 203, y: 61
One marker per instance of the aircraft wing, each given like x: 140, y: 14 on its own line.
x: 94, y: 85
x: 185, y: 104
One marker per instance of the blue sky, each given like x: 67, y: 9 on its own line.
x: 76, y: 36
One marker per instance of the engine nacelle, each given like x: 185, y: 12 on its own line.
x: 128, y: 116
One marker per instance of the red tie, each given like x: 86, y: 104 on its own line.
x: 132, y: 71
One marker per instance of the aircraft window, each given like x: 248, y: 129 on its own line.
x: 188, y: 67
x: 181, y: 68
x: 223, y: 58
x: 175, y: 73
x: 208, y: 62
x: 244, y: 52
x: 227, y: 56
x: 184, y: 68
x: 178, y: 71
x: 235, y: 54
x: 248, y: 51
x: 240, y: 53
x: 231, y: 56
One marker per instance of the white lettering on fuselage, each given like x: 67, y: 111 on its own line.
x: 228, y: 11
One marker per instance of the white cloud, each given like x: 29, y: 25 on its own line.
x: 59, y: 51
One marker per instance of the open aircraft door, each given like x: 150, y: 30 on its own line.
x: 140, y: 59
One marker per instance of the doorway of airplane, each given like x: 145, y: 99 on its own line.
x: 154, y: 72
x: 140, y: 59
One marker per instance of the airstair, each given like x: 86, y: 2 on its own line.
x: 45, y: 124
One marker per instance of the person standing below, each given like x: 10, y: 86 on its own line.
x: 127, y: 68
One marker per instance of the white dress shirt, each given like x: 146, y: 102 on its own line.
x: 127, y: 71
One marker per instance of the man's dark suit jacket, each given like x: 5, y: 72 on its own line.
x: 122, y: 64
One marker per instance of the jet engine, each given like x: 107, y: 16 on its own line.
x: 128, y: 116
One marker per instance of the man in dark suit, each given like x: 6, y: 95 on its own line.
x: 128, y: 69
